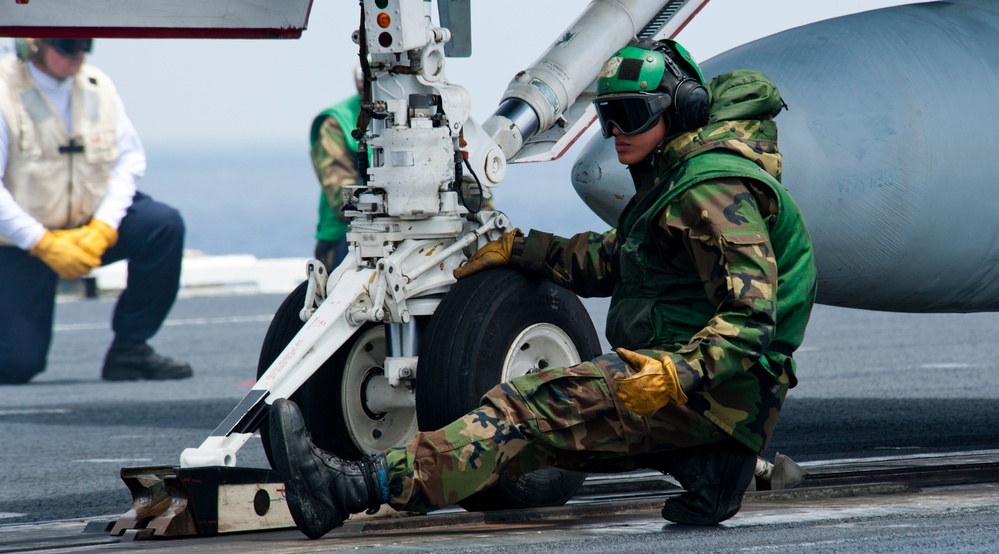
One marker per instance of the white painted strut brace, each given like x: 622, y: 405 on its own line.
x: 353, y: 296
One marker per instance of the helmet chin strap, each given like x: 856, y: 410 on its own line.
x: 657, y: 152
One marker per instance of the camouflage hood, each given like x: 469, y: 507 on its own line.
x: 743, y: 104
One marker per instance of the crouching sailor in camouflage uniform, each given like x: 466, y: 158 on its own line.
x: 712, y: 282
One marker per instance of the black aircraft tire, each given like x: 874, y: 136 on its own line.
x: 284, y: 325
x: 486, y: 328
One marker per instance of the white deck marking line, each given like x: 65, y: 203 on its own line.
x: 173, y: 322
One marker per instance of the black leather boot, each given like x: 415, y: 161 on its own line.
x: 714, y: 477
x: 322, y: 490
x: 131, y: 360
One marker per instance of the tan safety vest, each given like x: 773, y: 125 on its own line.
x: 59, y: 181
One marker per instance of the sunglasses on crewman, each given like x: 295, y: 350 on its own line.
x: 70, y: 47
x: 630, y: 113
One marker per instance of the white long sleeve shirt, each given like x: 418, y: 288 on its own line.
x: 24, y: 230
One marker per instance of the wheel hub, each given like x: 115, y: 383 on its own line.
x: 366, y: 383
x: 539, y: 347
x: 378, y: 416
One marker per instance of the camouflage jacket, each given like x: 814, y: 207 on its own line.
x: 333, y: 152
x: 710, y: 265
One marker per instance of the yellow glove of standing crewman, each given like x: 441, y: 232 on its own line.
x: 495, y: 253
x: 655, y: 384
x: 95, y: 237
x: 65, y: 258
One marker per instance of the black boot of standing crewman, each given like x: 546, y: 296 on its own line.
x: 714, y: 477
x: 322, y: 490
x: 132, y: 360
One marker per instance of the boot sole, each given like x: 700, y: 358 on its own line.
x: 684, y: 517
x: 140, y: 375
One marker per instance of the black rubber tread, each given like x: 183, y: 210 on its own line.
x: 461, y: 357
x: 279, y: 333
x: 319, y: 396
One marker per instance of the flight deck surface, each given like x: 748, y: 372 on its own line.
x: 874, y: 386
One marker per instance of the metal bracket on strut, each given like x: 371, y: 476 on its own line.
x: 395, y: 287
x: 494, y: 224
x: 315, y: 292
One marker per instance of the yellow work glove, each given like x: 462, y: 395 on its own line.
x: 95, y: 237
x: 495, y: 253
x: 655, y: 384
x: 65, y: 258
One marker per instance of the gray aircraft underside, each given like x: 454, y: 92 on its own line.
x: 886, y: 142
x: 888, y: 148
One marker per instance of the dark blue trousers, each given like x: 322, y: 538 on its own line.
x: 151, y: 238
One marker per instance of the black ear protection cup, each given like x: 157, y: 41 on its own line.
x: 691, y: 104
x: 690, y: 98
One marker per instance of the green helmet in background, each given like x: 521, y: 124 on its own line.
x: 26, y: 48
x: 647, y: 79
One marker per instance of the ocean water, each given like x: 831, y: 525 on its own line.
x: 261, y: 199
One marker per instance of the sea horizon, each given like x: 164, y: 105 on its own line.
x: 262, y: 198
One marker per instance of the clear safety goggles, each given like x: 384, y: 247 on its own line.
x: 630, y: 113
x: 70, y: 47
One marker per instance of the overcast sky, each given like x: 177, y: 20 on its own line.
x: 268, y: 90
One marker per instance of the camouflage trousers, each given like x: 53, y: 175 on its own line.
x: 564, y: 417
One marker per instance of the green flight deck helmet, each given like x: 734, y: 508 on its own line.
x: 647, y: 79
